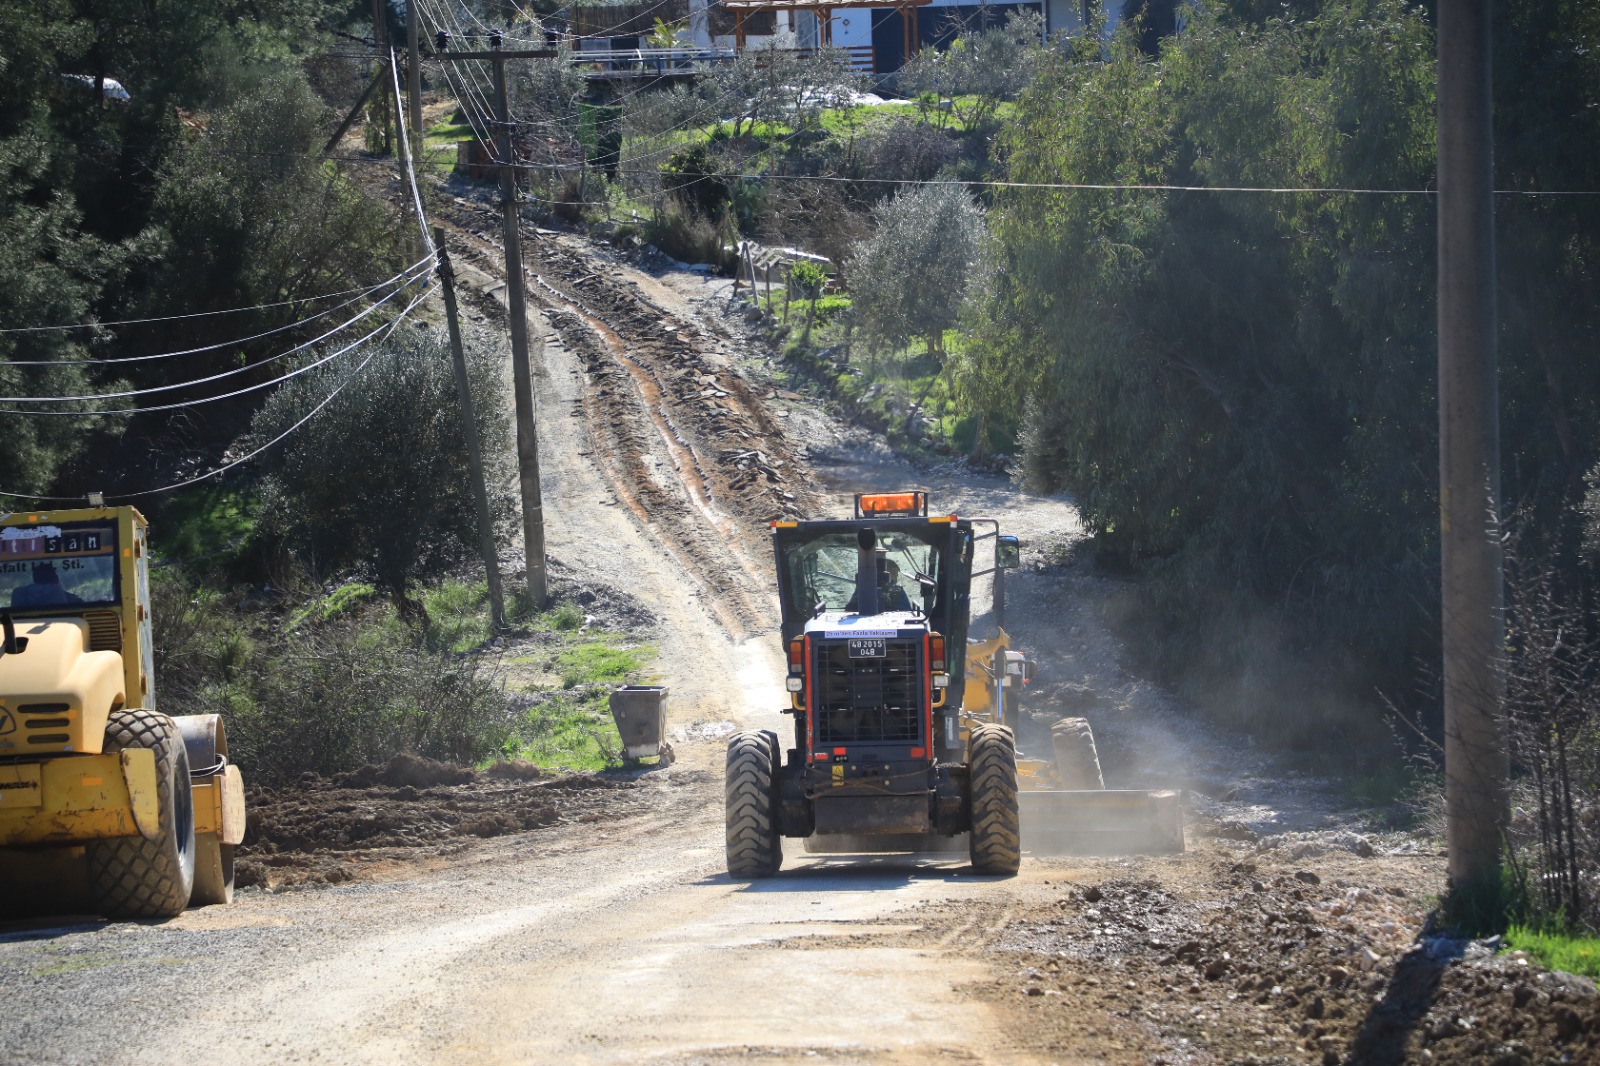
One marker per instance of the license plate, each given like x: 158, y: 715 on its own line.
x: 866, y: 649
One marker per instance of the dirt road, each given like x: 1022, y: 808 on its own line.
x: 611, y: 934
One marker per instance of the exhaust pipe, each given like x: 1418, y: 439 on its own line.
x: 866, y: 571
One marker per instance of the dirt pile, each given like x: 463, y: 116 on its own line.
x: 377, y: 820
x: 1285, y: 965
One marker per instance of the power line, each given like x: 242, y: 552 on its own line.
x: 421, y: 263
x: 360, y: 368
x: 195, y: 314
x: 214, y: 377
x: 227, y: 395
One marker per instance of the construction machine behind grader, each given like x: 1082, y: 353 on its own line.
x: 904, y: 727
x: 101, y: 795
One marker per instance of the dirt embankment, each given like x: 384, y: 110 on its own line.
x: 1230, y: 956
x: 688, y: 444
x: 408, y: 816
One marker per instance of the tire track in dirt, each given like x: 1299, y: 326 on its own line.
x: 656, y: 387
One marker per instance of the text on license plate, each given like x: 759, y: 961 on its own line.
x: 866, y: 649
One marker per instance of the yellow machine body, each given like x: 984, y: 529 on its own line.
x: 83, y: 650
x: 1057, y: 820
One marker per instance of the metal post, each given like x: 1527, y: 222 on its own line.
x: 469, y: 430
x: 999, y: 595
x: 521, y: 372
x: 414, y: 75
x: 1476, y: 768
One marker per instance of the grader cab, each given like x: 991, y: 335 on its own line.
x: 904, y: 728
x: 101, y: 795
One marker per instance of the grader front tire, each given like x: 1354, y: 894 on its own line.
x: 995, y: 839
x: 132, y: 877
x: 753, y: 845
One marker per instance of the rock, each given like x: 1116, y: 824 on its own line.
x: 1337, y: 976
x: 1366, y: 959
x: 1316, y: 1008
x: 1216, y: 968
x: 1092, y: 894
x: 1308, y: 877
x: 1033, y: 990
x: 1568, y: 1023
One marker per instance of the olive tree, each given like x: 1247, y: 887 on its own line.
x: 979, y: 70
x: 379, y: 477
x: 910, y: 278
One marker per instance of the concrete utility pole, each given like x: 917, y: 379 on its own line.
x: 469, y: 430
x: 1477, y: 806
x: 521, y: 372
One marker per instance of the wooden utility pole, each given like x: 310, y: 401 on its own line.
x: 521, y: 372
x: 469, y: 429
x: 380, y: 40
x: 414, y: 77
x: 521, y: 335
x: 1477, y: 806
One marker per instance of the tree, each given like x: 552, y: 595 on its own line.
x: 772, y: 85
x: 980, y: 69
x: 1238, y: 388
x: 910, y: 277
x: 808, y: 279
x: 379, y: 475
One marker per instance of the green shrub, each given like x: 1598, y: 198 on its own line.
x: 379, y: 476
x: 337, y: 688
x: 686, y: 235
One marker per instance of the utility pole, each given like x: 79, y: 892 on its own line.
x: 414, y: 77
x: 1477, y: 806
x: 517, y: 297
x: 521, y: 372
x: 469, y: 429
x: 380, y: 41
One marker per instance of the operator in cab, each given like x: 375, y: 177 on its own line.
x: 891, y: 596
x: 45, y: 591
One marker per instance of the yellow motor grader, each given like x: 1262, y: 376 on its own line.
x: 101, y: 795
x: 904, y: 727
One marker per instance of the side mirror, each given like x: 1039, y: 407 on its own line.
x: 1007, y: 553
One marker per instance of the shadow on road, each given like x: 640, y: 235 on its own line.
x: 856, y: 874
x: 1381, y: 1040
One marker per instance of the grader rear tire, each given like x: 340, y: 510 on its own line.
x: 995, y: 840
x: 132, y: 877
x: 753, y: 844
x: 1077, y: 759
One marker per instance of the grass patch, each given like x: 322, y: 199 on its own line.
x: 598, y: 662
x: 1574, y: 954
x: 338, y: 603
x: 458, y: 615
x: 569, y: 730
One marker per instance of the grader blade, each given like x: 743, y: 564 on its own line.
x: 1102, y: 822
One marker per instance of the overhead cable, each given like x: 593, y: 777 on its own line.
x: 360, y: 367
x: 214, y: 377
x: 195, y: 314
x: 421, y: 264
x: 227, y: 395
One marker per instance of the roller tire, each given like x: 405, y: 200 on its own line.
x: 754, y: 847
x: 132, y: 877
x: 1077, y: 759
x: 995, y: 840
x: 213, y: 871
